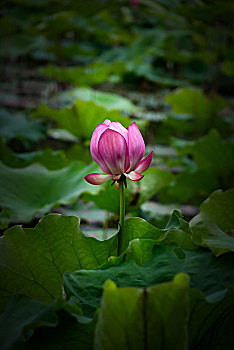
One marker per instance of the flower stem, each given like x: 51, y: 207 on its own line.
x: 122, y: 211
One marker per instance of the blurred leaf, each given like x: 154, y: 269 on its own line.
x: 107, y: 100
x: 154, y: 181
x: 211, y: 320
x: 156, y: 213
x: 192, y: 101
x: 35, y: 190
x: 19, y: 126
x: 69, y: 334
x: 132, y: 318
x: 218, y: 208
x: 50, y: 159
x: 61, y: 135
x: 33, y: 260
x: 190, y: 187
x: 215, y: 223
x: 228, y: 68
x: 106, y: 198
x: 87, y: 213
x: 19, y: 44
x: 212, y: 168
x: 93, y: 74
x: 25, y: 319
x: 20, y: 318
x: 79, y: 151
x: 158, y: 76
x: 81, y: 118
x: 181, y: 123
x: 214, y: 156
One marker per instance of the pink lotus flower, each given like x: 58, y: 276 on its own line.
x: 118, y: 151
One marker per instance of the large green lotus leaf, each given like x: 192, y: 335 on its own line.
x: 81, y: 118
x: 207, y: 273
x: 215, y: 223
x: 50, y: 159
x: 28, y: 323
x: 133, y: 318
x: 34, y: 190
x: 33, y: 260
x: 176, y: 231
x: 107, y: 100
x: 19, y: 126
x: 154, y: 180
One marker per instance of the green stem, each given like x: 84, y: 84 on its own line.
x: 122, y: 212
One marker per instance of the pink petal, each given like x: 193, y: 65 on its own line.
x: 94, y: 147
x: 144, y: 164
x: 134, y: 176
x: 117, y: 185
x: 116, y: 126
x: 107, y: 122
x: 97, y: 179
x: 136, y: 146
x: 113, y: 149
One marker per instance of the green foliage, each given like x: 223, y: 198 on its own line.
x: 214, y: 155
x: 176, y: 231
x: 191, y: 187
x: 91, y: 75
x: 107, y: 100
x: 212, y: 314
x: 107, y: 198
x: 62, y: 285
x: 200, y: 265
x: 25, y: 318
x: 19, y: 126
x: 212, y: 168
x: 20, y: 44
x: 218, y: 208
x: 52, y: 160
x: 140, y: 316
x: 33, y: 260
x: 193, y: 102
x: 215, y: 222
x: 136, y: 316
x: 35, y: 190
x: 81, y: 118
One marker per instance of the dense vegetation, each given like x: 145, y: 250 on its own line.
x: 66, y: 66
